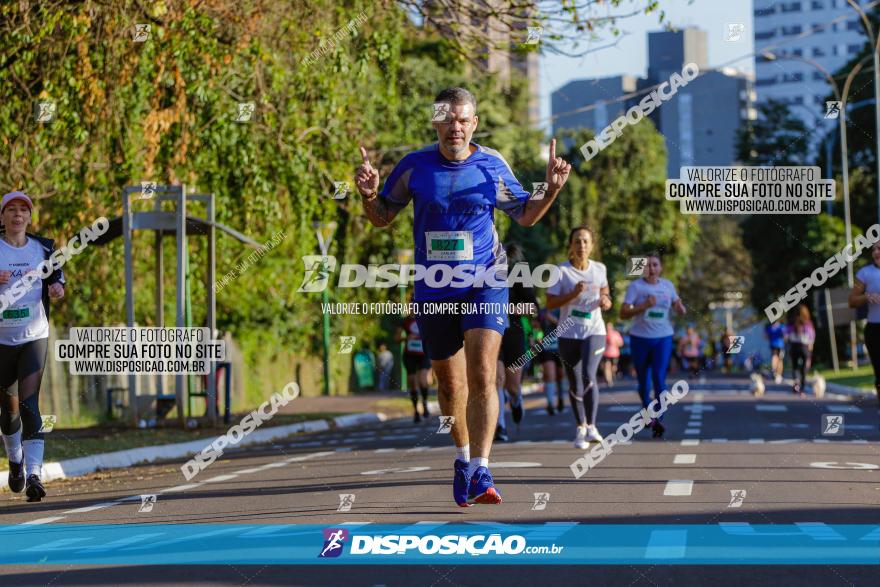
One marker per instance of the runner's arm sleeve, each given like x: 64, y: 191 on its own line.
x: 396, y: 192
x: 555, y: 288
x: 630, y: 296
x: 56, y: 276
x: 510, y: 196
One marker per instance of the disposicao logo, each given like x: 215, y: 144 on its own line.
x: 334, y: 540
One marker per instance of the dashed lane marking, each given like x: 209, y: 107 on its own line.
x: 90, y: 508
x: 678, y: 488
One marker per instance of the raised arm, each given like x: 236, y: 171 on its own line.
x: 557, y: 175
x: 367, y: 182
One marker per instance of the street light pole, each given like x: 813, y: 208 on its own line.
x: 324, y: 232
x: 875, y: 51
x: 844, y: 160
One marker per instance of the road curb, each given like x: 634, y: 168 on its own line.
x: 850, y: 391
x: 149, y: 454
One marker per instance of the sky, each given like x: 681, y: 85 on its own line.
x: 630, y: 55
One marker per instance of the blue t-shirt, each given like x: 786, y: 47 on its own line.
x: 454, y: 212
x: 776, y: 334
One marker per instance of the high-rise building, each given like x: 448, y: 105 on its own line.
x: 828, y: 32
x: 496, y: 42
x: 699, y: 123
x: 600, y: 93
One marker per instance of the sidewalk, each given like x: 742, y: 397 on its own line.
x: 328, y: 412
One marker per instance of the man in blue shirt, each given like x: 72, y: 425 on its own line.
x: 455, y: 186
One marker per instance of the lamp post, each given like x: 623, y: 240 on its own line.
x: 404, y: 257
x: 875, y: 54
x: 324, y: 232
x: 844, y: 161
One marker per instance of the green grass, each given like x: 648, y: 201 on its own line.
x: 71, y: 443
x: 862, y: 378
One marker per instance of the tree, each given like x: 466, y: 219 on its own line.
x: 720, y: 264
x: 784, y: 248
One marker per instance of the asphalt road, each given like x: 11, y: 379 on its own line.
x: 726, y: 458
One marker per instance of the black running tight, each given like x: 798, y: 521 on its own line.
x: 21, y: 372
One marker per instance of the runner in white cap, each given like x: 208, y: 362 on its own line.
x: 24, y: 340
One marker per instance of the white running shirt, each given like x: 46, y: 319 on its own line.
x: 584, y: 309
x: 25, y: 320
x: 654, y: 322
x: 870, y: 276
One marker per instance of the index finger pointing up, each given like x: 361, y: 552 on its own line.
x: 364, y: 155
x: 552, y: 149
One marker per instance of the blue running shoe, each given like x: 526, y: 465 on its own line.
x: 481, y: 489
x: 460, y: 484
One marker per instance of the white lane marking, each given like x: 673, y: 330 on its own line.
x: 859, y: 426
x: 343, y: 449
x: 700, y: 408
x: 690, y: 442
x: 692, y: 431
x: 844, y: 409
x: 782, y: 441
x: 771, y: 408
x: 514, y: 465
x: 684, y: 459
x: 381, y: 450
x: 821, y: 440
x: 719, y: 440
x: 220, y: 478
x: 268, y: 466
x: 778, y: 425
x: 41, y: 521
x: 304, y: 444
x: 398, y: 437
x: 796, y: 425
x: 859, y: 441
x: 666, y: 544
x: 248, y: 471
x: 417, y: 449
x: 679, y: 488
x: 396, y: 470
x: 632, y: 408
x: 836, y: 465
x: 756, y: 441
x: 129, y: 498
x: 181, y: 488
x: 90, y: 508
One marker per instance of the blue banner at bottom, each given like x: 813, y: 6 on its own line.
x: 564, y: 543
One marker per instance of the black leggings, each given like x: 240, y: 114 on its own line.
x: 21, y: 371
x: 799, y: 357
x: 581, y: 360
x: 872, y: 343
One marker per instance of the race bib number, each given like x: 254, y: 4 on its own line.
x: 655, y: 314
x: 581, y: 314
x: 450, y: 245
x: 16, y: 316
x: 414, y: 346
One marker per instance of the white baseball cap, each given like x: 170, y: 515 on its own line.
x: 12, y: 196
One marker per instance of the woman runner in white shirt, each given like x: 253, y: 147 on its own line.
x: 582, y: 292
x: 24, y: 341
